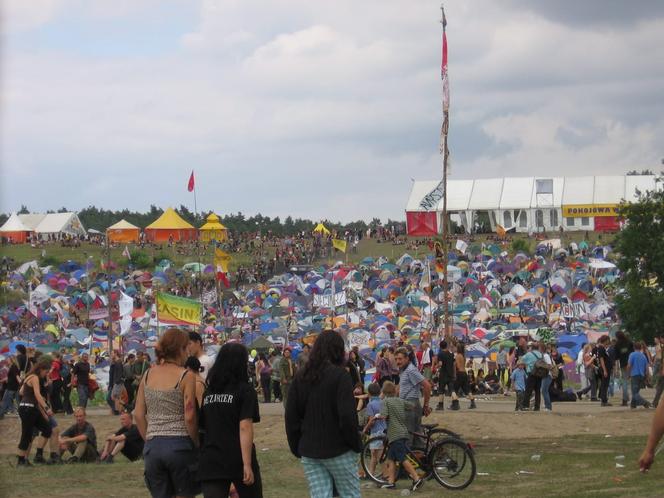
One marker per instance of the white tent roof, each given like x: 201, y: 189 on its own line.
x: 417, y: 193
x: 608, y: 189
x: 517, y: 192
x: 14, y: 224
x: 123, y: 225
x: 558, y: 185
x: 580, y: 190
x: 459, y: 195
x: 520, y: 192
x: 67, y: 223
x: 486, y: 194
x: 31, y: 220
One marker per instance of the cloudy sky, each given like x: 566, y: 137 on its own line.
x: 316, y: 109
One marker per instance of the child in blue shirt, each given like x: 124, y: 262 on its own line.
x: 519, y: 383
x: 376, y: 426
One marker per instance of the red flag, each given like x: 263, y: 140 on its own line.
x: 221, y: 276
x: 190, y: 186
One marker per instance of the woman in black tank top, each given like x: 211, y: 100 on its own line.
x: 33, y: 410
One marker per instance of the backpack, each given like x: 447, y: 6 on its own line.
x: 540, y: 368
x: 64, y: 370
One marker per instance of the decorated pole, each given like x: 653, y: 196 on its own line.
x: 445, y: 153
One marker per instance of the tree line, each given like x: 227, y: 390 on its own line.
x: 100, y: 219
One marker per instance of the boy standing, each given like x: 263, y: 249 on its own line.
x: 519, y: 384
x: 394, y: 410
x: 375, y: 425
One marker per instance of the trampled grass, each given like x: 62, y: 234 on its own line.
x: 576, y: 466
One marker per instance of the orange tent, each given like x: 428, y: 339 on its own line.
x: 14, y: 230
x: 170, y: 224
x: 123, y: 232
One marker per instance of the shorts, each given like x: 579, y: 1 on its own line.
x: 445, y: 386
x: 462, y: 384
x: 397, y: 450
x: 377, y: 444
x: 117, y: 390
x: 171, y: 466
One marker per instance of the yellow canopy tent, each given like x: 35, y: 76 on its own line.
x: 213, y: 230
x: 123, y: 232
x: 320, y: 228
x: 170, y: 224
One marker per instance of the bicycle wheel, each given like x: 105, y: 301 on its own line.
x: 438, y: 434
x: 379, y: 446
x: 452, y: 463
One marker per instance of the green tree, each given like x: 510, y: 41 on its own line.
x: 641, y: 261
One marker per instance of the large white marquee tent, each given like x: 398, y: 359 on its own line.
x: 529, y: 204
x: 53, y: 224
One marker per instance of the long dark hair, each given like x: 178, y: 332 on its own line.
x: 229, y: 368
x: 328, y: 350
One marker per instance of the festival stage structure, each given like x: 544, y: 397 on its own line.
x: 527, y: 204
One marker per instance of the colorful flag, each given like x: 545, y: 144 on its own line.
x: 443, y: 68
x: 126, y: 253
x: 339, y: 244
x: 190, y: 186
x: 175, y: 310
x: 222, y: 259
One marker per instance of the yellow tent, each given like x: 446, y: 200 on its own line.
x: 320, y: 228
x: 123, y: 232
x: 170, y: 224
x: 213, y: 230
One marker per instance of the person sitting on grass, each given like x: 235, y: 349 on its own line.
x: 376, y: 426
x: 80, y: 440
x: 127, y: 441
x: 394, y: 410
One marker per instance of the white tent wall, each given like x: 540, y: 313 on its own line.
x: 513, y: 202
x: 59, y: 224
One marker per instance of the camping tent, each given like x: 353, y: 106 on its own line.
x: 123, y: 232
x: 170, y: 224
x: 322, y: 229
x: 15, y: 230
x: 213, y: 230
x: 54, y: 224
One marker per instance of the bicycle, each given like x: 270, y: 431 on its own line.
x: 446, y: 458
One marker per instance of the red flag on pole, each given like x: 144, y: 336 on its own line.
x: 190, y: 186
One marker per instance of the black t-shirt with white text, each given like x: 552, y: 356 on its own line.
x: 220, y: 416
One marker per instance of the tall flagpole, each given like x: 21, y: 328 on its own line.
x: 445, y: 152
x: 198, y: 242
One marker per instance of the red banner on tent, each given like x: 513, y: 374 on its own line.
x: 607, y: 224
x: 421, y: 224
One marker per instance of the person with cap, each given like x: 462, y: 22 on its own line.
x: 286, y: 373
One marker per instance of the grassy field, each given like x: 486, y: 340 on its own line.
x: 581, y: 466
x: 578, y: 459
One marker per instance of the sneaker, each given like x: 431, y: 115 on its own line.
x: 440, y: 407
x: 73, y: 459
x: 24, y: 463
x: 389, y: 486
x: 579, y: 395
x: 39, y: 459
x: 417, y: 484
x: 472, y: 405
x: 108, y: 459
x: 624, y: 403
x: 607, y: 404
x: 547, y: 409
x: 647, y: 405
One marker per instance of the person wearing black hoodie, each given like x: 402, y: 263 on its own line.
x: 321, y: 421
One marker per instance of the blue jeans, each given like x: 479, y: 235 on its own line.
x: 624, y: 384
x: 637, y: 399
x: 82, y: 395
x: 9, y: 399
x: 546, y: 383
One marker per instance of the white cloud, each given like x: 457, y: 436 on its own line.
x: 320, y: 109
